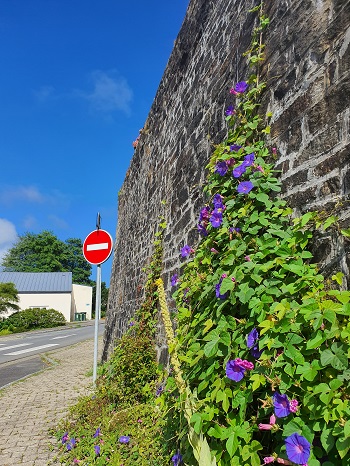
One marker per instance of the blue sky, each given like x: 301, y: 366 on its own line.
x: 78, y: 80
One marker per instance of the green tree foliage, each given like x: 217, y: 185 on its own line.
x: 104, y: 298
x: 8, y: 297
x: 44, y: 252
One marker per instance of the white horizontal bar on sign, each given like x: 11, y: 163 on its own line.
x: 28, y: 350
x: 96, y: 247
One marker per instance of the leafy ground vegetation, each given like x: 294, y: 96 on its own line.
x: 259, y: 368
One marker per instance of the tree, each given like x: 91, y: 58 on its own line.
x: 8, y: 297
x: 76, y: 263
x: 104, y: 298
x: 44, y: 252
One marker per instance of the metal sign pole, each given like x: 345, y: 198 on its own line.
x: 97, y: 318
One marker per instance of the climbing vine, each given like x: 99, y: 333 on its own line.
x: 262, y: 337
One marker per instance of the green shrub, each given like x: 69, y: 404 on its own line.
x: 29, y: 319
x: 132, y: 371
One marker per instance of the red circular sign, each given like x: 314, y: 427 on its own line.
x: 97, y: 247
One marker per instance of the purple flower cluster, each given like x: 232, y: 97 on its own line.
x: 70, y: 443
x: 245, y: 187
x: 253, y: 343
x: 174, y: 279
x: 213, y: 216
x: 124, y: 439
x: 186, y: 250
x: 247, y: 162
x: 240, y: 88
x: 283, y: 406
x: 217, y: 288
x: 230, y: 110
x: 298, y: 448
x: 97, y: 450
x: 235, y: 368
x: 177, y: 459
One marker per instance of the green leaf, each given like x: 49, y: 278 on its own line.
x: 330, y: 220
x: 345, y: 232
x: 196, y: 422
x: 347, y: 429
x: 207, y: 326
x: 211, y: 348
x: 343, y: 446
x: 232, y: 444
x: 316, y: 341
x: 337, y: 360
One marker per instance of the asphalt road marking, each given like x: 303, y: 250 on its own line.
x: 28, y: 350
x: 65, y: 336
x: 14, y: 346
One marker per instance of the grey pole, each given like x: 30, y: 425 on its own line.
x: 97, y: 318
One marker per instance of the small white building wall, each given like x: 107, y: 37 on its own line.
x: 59, y: 301
x: 82, y: 300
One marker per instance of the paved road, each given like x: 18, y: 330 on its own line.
x: 22, y: 345
x: 33, y: 406
x: 16, y: 351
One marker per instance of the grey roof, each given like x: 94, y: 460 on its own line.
x: 39, y: 282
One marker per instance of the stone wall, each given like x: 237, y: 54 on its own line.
x: 307, y: 69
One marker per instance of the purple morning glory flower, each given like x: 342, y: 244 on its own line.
x: 255, y: 352
x: 186, y: 250
x: 238, y: 171
x: 230, y: 110
x: 249, y: 160
x: 98, y: 430
x: 174, y: 280
x: 69, y: 446
x: 235, y: 148
x: 216, y: 218
x: 252, y: 338
x: 241, y: 87
x: 234, y: 371
x: 202, y: 230
x: 221, y: 168
x: 217, y: 202
x: 73, y: 442
x: 159, y: 390
x: 244, y: 187
x: 298, y: 448
x: 97, y: 450
x: 281, y: 405
x: 64, y: 437
x: 204, y: 213
x: 177, y: 458
x: 217, y: 290
x: 124, y: 439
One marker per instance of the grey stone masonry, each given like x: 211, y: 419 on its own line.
x: 308, y: 91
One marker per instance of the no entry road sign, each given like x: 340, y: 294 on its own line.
x: 97, y: 247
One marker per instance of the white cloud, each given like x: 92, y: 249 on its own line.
x: 110, y: 93
x: 30, y: 223
x: 58, y: 222
x: 8, y: 236
x: 44, y: 93
x: 10, y: 194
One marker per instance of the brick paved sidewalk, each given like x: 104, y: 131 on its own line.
x: 31, y: 407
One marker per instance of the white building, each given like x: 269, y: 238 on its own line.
x: 51, y: 290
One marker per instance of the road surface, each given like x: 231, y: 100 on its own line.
x: 20, y: 353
